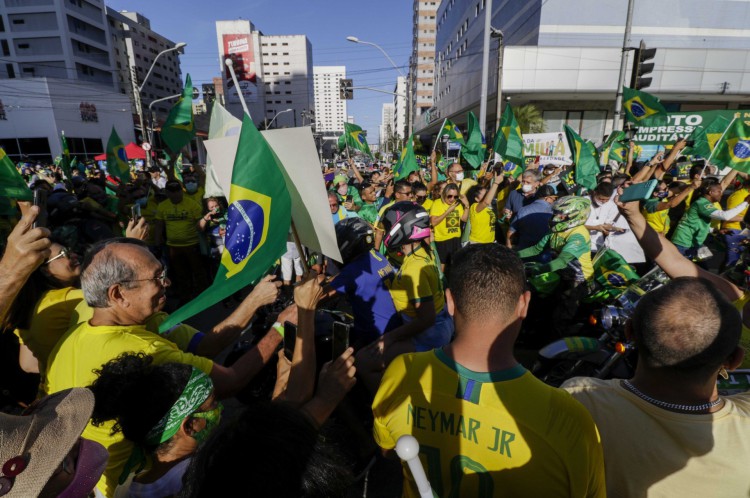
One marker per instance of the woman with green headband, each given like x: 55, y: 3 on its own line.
x: 167, y: 410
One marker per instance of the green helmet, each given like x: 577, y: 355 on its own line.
x: 569, y: 212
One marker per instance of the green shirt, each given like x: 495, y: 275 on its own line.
x: 369, y: 213
x: 695, y: 224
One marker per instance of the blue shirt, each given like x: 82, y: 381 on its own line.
x: 364, y: 283
x: 343, y: 213
x: 532, y: 223
x: 516, y: 200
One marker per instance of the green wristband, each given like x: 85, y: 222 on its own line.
x: 278, y: 327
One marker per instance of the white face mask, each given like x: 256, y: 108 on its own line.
x: 526, y: 188
x: 460, y: 177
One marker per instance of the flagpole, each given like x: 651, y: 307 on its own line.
x: 439, y: 134
x: 708, y: 161
x: 228, y: 62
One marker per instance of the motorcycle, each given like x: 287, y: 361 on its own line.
x: 611, y: 355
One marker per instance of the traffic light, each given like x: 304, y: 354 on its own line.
x: 345, y: 89
x: 641, y: 68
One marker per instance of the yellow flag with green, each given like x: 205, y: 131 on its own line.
x: 641, y: 107
x: 179, y: 128
x: 733, y: 149
x: 258, y: 221
x: 117, y: 158
x: 12, y: 184
x: 508, y: 139
x: 706, y: 137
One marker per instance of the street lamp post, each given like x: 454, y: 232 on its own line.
x: 139, y: 89
x: 277, y: 115
x: 354, y: 39
x: 496, y: 33
x: 151, y: 116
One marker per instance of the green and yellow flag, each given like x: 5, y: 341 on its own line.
x: 408, y: 161
x: 117, y: 159
x: 475, y: 148
x: 612, y: 275
x: 258, y: 221
x: 342, y: 142
x: 733, y: 149
x: 604, y: 149
x: 179, y: 128
x: 450, y: 129
x: 12, y: 184
x: 618, y: 152
x: 355, y: 138
x: 587, y: 167
x: 705, y: 137
x: 65, y: 158
x: 641, y: 107
x: 508, y: 139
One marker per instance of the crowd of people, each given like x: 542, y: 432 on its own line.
x: 434, y: 272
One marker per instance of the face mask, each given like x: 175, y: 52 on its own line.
x: 191, y: 187
x: 343, y: 189
x: 526, y: 188
x: 142, y: 201
x: 662, y: 195
x: 212, y: 418
x: 459, y: 177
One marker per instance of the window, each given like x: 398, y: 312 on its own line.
x: 19, y: 21
x: 4, y: 47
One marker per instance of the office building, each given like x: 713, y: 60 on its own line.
x: 287, y: 74
x: 330, y: 109
x: 387, y: 127
x: 422, y: 60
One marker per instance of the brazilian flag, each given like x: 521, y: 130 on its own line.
x: 258, y: 221
x: 475, y: 147
x: 612, y: 275
x: 508, y: 139
x: 407, y: 163
x: 342, y: 142
x: 604, y: 148
x: 733, y: 149
x: 706, y: 137
x: 618, y: 152
x: 641, y: 107
x: 117, y: 158
x: 450, y: 129
x: 12, y: 184
x: 355, y: 138
x: 512, y: 169
x: 587, y: 167
x: 179, y: 128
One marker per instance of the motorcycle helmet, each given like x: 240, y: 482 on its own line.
x: 405, y: 222
x: 354, y: 237
x: 569, y: 212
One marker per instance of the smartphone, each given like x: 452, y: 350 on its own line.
x: 639, y: 191
x: 135, y: 212
x: 290, y: 337
x: 349, y: 198
x: 40, y: 199
x: 340, y: 339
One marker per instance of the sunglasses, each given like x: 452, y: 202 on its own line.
x: 64, y: 253
x: 451, y: 197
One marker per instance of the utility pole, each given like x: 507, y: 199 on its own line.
x: 623, y: 66
x: 485, y: 66
x: 496, y: 33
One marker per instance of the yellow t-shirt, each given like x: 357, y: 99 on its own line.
x: 488, y: 434
x: 181, y: 221
x: 417, y: 281
x: 149, y: 214
x: 482, y: 224
x: 733, y: 201
x: 716, y: 224
x: 658, y: 220
x: 87, y: 348
x: 466, y: 184
x: 502, y: 198
x: 427, y: 204
x: 450, y: 227
x: 651, y: 452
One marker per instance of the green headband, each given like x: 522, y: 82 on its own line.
x: 197, y: 390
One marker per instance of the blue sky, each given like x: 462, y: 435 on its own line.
x: 326, y: 23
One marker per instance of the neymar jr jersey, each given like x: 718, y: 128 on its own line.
x: 488, y: 434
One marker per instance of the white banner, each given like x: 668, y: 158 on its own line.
x: 552, y: 148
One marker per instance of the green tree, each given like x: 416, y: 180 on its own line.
x: 529, y: 119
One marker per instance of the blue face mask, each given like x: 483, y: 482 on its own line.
x: 662, y: 195
x: 142, y: 201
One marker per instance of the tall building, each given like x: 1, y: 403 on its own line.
x: 287, y: 69
x: 330, y: 110
x: 399, y: 103
x: 136, y: 47
x: 422, y: 60
x: 387, y: 127
x: 564, y: 57
x: 56, y: 39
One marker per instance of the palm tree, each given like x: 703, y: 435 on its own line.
x: 529, y: 119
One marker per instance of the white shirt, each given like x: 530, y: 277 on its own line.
x: 600, y: 215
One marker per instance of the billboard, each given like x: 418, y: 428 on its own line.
x: 239, y: 48
x: 552, y: 148
x: 682, y: 124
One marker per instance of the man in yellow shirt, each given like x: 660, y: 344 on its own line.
x: 457, y: 176
x: 732, y: 229
x: 485, y: 425
x: 126, y: 285
x: 180, y: 216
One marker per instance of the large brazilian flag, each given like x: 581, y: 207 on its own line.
x: 258, y: 221
x: 117, y: 158
x: 355, y: 138
x: 642, y: 108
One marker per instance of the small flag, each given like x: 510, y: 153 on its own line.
x: 512, y: 169
x: 641, y: 107
x: 65, y: 159
x: 408, y: 161
x: 705, y: 137
x: 258, y: 221
x: 475, y: 147
x: 586, y: 165
x: 618, y: 152
x: 454, y: 134
x: 508, y: 139
x: 117, y: 158
x: 179, y: 128
x: 355, y: 138
x: 12, y: 184
x: 612, y: 275
x: 342, y: 142
x: 733, y: 149
x: 604, y: 149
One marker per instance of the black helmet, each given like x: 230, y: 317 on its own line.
x: 354, y: 237
x: 405, y: 222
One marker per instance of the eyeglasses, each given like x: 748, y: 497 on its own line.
x: 64, y: 253
x: 162, y: 278
x: 451, y: 197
